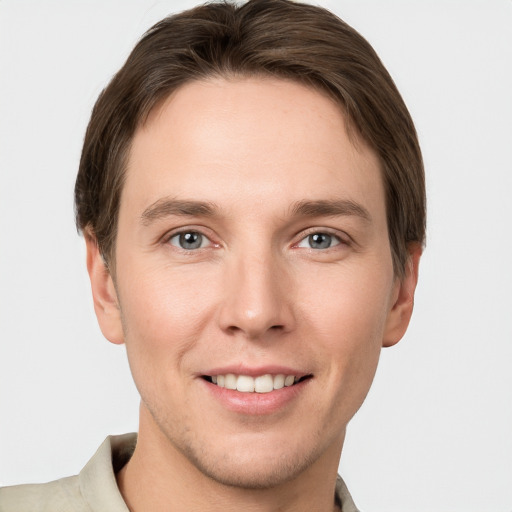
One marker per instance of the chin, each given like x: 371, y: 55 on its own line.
x: 248, y: 456
x: 250, y: 471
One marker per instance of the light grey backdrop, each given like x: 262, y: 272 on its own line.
x: 436, y: 431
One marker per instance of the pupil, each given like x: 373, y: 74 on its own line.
x: 320, y: 241
x: 190, y: 240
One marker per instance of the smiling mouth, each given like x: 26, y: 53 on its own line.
x: 260, y: 384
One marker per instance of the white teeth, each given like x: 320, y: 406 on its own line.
x: 264, y: 384
x: 246, y: 384
x: 290, y: 379
x: 279, y: 381
x: 230, y: 381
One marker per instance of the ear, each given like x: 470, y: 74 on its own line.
x: 403, y: 299
x: 104, y: 293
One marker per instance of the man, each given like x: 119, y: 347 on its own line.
x: 251, y: 194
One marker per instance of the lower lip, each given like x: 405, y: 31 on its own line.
x: 256, y: 403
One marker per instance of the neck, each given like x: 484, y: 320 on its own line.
x: 158, y: 475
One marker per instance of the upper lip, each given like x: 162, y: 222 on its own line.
x: 255, y: 371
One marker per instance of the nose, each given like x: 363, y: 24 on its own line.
x: 257, y: 297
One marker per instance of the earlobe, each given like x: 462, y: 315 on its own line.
x: 403, y: 299
x: 106, y: 305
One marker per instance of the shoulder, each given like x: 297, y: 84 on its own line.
x: 58, y: 496
x: 94, y: 489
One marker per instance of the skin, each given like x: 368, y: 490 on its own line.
x: 256, y: 293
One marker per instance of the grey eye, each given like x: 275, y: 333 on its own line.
x: 189, y: 240
x: 319, y: 241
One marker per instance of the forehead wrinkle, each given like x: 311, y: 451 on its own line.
x: 331, y: 208
x: 166, y: 207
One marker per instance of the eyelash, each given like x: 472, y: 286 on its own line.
x: 339, y: 240
x: 168, y: 239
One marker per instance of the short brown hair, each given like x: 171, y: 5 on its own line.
x: 279, y: 38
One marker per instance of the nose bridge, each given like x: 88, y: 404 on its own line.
x: 256, y: 297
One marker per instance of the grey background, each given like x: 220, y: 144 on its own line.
x: 435, y: 431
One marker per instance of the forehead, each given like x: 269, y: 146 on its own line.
x: 259, y: 138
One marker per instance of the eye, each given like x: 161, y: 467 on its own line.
x: 189, y: 240
x: 319, y: 241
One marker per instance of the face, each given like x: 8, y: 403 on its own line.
x: 253, y: 277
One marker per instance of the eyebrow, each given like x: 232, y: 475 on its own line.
x: 331, y: 208
x: 320, y: 208
x: 166, y: 207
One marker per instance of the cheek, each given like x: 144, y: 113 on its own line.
x: 349, y: 303
x: 348, y: 319
x: 351, y: 335
x: 163, y: 314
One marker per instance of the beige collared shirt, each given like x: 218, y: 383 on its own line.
x: 95, y: 489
